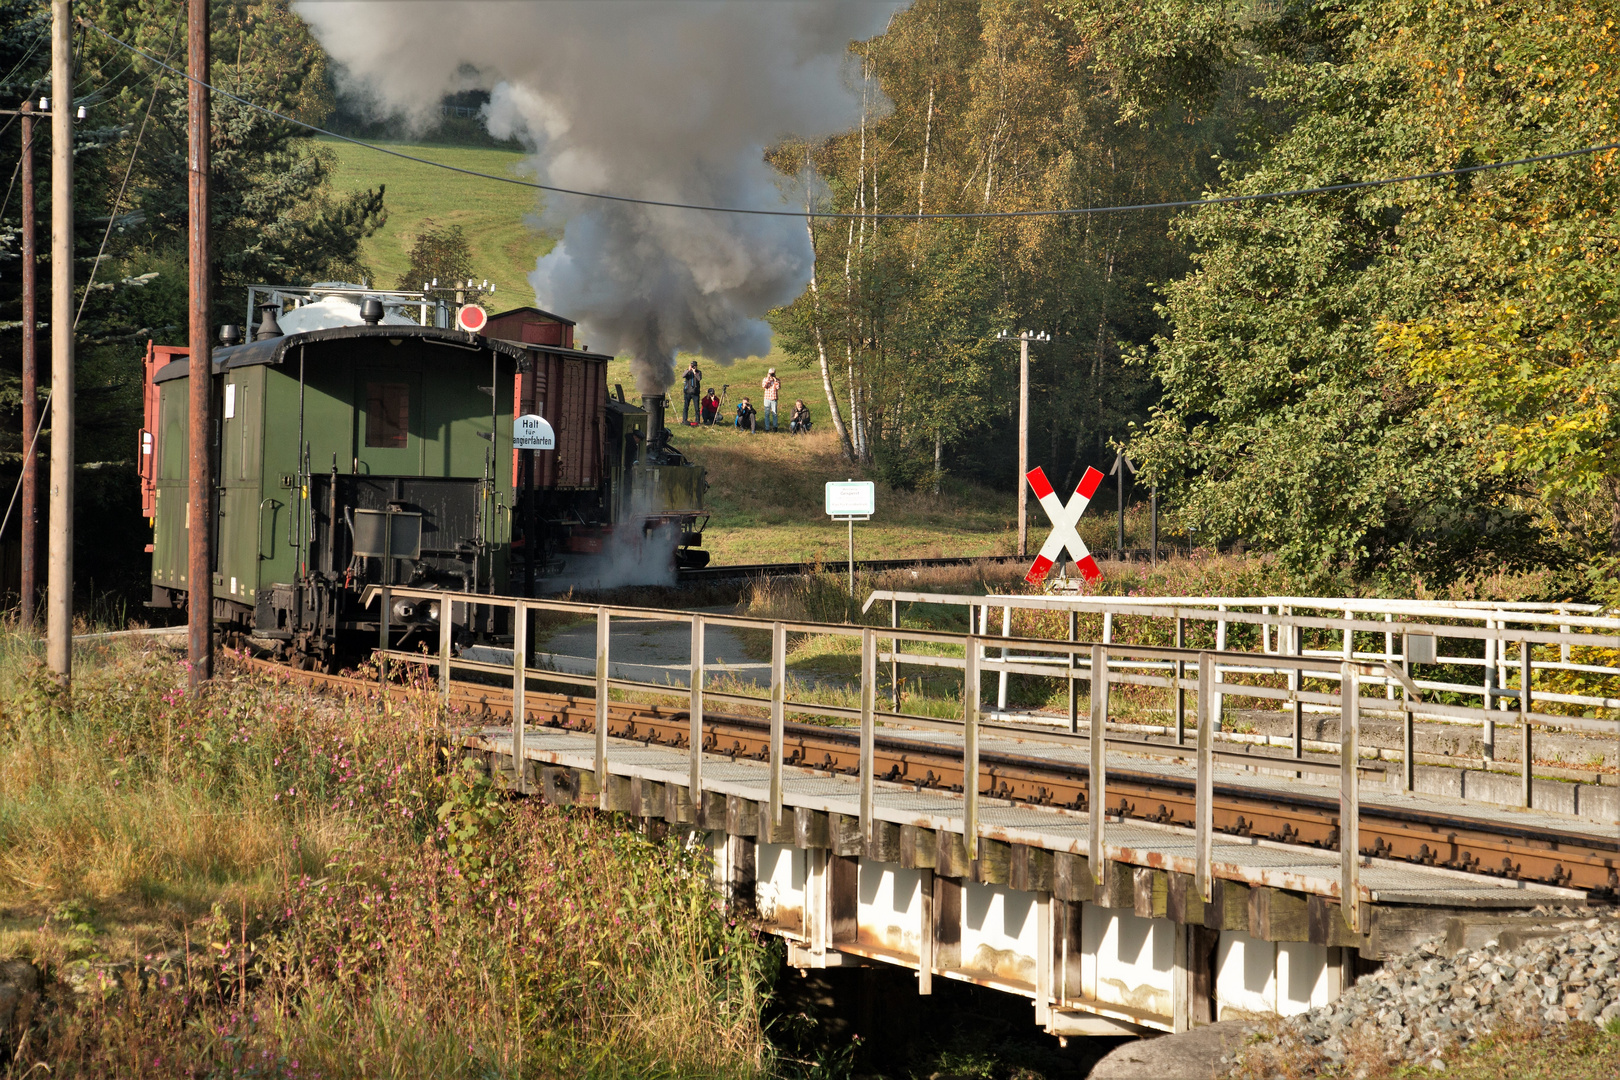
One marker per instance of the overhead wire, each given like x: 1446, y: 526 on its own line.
x: 1181, y: 204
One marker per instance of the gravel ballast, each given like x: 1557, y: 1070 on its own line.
x: 1420, y: 1004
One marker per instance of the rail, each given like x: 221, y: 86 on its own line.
x: 1201, y: 673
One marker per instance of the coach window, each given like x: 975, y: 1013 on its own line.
x: 388, y: 414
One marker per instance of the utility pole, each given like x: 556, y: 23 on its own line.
x: 30, y: 379
x: 200, y: 535
x: 59, y: 577
x: 1024, y: 338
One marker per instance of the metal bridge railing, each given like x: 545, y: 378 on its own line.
x: 1509, y: 633
x: 1205, y: 674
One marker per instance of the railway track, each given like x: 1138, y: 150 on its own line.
x: 1480, y: 845
x: 748, y: 570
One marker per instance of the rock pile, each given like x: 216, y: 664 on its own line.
x: 1426, y: 1001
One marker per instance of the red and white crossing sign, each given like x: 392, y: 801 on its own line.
x: 1064, y: 519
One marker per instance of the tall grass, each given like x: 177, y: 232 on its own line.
x: 252, y: 881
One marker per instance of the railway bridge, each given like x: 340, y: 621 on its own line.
x: 1126, y: 877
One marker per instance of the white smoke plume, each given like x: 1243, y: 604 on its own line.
x: 665, y: 99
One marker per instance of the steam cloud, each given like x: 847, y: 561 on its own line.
x: 664, y: 99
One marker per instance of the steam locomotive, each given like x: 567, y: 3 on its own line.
x: 355, y: 446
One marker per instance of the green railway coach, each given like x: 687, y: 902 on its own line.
x: 356, y: 455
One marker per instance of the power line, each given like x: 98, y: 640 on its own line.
x: 1184, y: 204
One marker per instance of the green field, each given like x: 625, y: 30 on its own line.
x: 494, y: 216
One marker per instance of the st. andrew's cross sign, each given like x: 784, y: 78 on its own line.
x: 1064, y: 519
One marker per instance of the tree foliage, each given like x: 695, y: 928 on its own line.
x: 438, y: 254
x: 984, y: 107
x: 1306, y: 347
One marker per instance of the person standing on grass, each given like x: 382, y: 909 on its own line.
x: 691, y: 388
x: 745, y: 416
x: 771, y: 384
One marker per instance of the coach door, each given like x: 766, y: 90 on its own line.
x: 389, y: 422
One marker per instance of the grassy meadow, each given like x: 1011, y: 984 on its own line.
x: 494, y: 216
x: 254, y: 881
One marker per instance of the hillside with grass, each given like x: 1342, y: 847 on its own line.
x: 495, y: 217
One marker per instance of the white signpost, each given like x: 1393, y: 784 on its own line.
x: 531, y: 432
x: 851, y: 501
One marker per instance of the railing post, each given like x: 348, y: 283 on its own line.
x: 695, y: 736
x: 894, y: 654
x: 1097, y: 810
x: 1296, y: 683
x: 1204, y: 785
x: 1524, y: 722
x: 778, y: 693
x: 1181, y: 676
x: 520, y: 686
x: 1074, y: 666
x: 384, y: 632
x: 1220, y: 647
x: 602, y: 632
x: 1001, y: 684
x: 1389, y: 657
x: 1350, y: 795
x: 970, y: 749
x: 1487, y: 736
x: 445, y: 620
x: 868, y: 727
x: 1408, y: 749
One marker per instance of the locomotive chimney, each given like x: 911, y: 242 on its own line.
x: 268, y: 327
x: 654, y: 404
x: 371, y: 311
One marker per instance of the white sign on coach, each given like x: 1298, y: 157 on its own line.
x: 531, y: 432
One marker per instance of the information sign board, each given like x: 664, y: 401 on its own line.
x: 851, y: 499
x: 531, y: 432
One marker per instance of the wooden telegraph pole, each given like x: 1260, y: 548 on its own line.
x: 29, y: 526
x: 1024, y: 338
x: 200, y: 534
x: 59, y: 583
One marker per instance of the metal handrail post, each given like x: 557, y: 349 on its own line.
x: 384, y: 632
x: 1181, y: 677
x: 445, y: 620
x: 1296, y: 683
x: 1204, y: 785
x: 778, y: 693
x: 520, y: 686
x: 970, y: 749
x: 1408, y: 733
x: 695, y: 735
x: 868, y: 727
x: 1001, y: 685
x: 1488, y: 729
x: 603, y: 629
x: 894, y: 654
x: 1074, y: 667
x: 1097, y: 797
x: 1350, y: 794
x: 1524, y: 723
x: 1389, y: 657
x: 1217, y: 704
